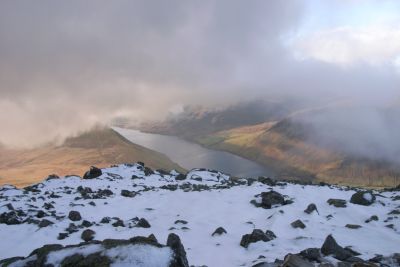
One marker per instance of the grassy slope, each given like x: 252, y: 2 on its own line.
x: 281, y: 148
x: 100, y: 147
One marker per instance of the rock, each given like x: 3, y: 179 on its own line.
x: 310, y: 208
x: 127, y: 193
x: 179, y: 260
x: 353, y: 226
x: 180, y: 177
x: 338, y: 203
x: 180, y: 222
x: 255, y: 236
x: 92, y: 173
x: 266, y: 181
x: 143, y: 223
x: 45, y: 223
x: 40, y: 214
x: 105, y: 220
x: 219, y: 231
x: 292, y: 260
x: 298, y: 224
x: 72, y: 228
x: 330, y: 247
x: 10, y: 218
x: 148, y: 171
x: 52, y: 177
x: 62, y: 236
x: 364, y: 198
x: 86, y: 223
x: 118, y: 223
x: 311, y: 254
x: 372, y: 218
x: 74, y: 216
x: 88, y: 235
x: 269, y: 199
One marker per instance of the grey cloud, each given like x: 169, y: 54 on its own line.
x: 66, y: 65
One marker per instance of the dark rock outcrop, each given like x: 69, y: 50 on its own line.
x: 255, y: 236
x: 74, y: 216
x: 179, y: 260
x: 88, y: 235
x: 338, y: 203
x: 310, y: 208
x: 94, y: 172
x: 298, y: 224
x: 219, y: 231
x: 364, y: 198
x: 331, y: 247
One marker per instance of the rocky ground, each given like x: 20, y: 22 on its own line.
x: 115, y: 217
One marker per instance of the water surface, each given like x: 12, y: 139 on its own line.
x: 190, y: 155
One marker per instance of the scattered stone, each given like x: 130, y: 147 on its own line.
x: 62, y: 236
x: 127, y: 193
x: 219, y: 231
x: 74, y: 216
x: 143, y: 223
x: 86, y: 223
x: 10, y: 218
x: 372, y: 218
x: 181, y: 222
x: 310, y: 208
x: 72, y: 228
x: 179, y: 260
x: 353, y: 226
x: 45, y: 223
x: 148, y: 171
x: 292, y: 260
x: 92, y: 173
x: 118, y: 223
x: 298, y: 224
x: 180, y: 177
x: 255, y: 236
x: 338, y: 203
x: 311, y: 254
x: 364, y: 198
x: 330, y: 247
x: 88, y: 235
x: 92, y: 203
x: 105, y: 220
x: 40, y: 214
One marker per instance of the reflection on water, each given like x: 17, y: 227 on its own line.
x: 190, y: 155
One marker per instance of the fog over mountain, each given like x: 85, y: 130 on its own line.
x: 66, y: 66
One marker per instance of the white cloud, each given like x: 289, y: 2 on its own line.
x: 348, y: 46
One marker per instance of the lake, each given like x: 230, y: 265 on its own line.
x: 190, y: 155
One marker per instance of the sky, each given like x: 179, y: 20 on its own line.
x: 67, y: 65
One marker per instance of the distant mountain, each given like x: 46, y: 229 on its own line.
x: 194, y: 121
x: 100, y: 146
x: 325, y: 144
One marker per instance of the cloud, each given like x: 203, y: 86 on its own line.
x: 349, y: 46
x: 68, y: 65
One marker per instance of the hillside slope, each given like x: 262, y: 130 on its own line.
x: 100, y: 146
x: 285, y: 148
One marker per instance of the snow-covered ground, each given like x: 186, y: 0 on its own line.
x: 201, y: 210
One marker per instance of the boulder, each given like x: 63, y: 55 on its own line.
x: 298, y: 224
x: 311, y: 254
x: 353, y: 226
x: 255, y: 236
x: 219, y: 231
x: 74, y: 216
x: 310, y: 208
x: 45, y: 223
x: 364, y: 198
x: 292, y: 260
x: 94, y: 172
x: 338, y: 203
x: 372, y: 218
x: 88, y: 235
x: 127, y: 193
x: 331, y: 247
x: 143, y: 223
x: 179, y: 260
